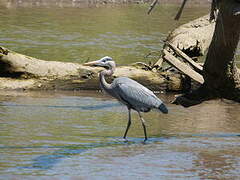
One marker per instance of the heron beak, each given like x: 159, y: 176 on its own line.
x: 91, y: 63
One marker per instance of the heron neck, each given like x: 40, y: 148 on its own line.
x: 104, y: 84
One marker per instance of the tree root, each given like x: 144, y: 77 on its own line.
x: 194, y: 98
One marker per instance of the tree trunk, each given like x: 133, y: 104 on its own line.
x: 221, y: 76
x: 220, y: 72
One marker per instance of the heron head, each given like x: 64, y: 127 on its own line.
x: 106, y: 62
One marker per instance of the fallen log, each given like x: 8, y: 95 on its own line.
x: 182, y: 67
x: 195, y: 65
x: 192, y: 38
x: 187, y: 41
x: 19, y: 71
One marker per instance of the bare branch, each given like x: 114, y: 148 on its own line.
x: 213, y: 10
x: 195, y: 65
x: 180, y: 10
x: 152, y: 6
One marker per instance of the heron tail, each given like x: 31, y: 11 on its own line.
x: 163, y: 108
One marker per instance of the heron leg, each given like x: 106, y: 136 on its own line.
x: 129, y: 123
x: 144, y: 126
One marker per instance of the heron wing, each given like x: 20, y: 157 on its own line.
x: 135, y: 94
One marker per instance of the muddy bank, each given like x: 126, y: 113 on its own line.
x: 87, y: 3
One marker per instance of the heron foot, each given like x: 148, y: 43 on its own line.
x: 144, y: 142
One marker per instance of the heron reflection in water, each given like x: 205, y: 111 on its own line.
x: 129, y: 92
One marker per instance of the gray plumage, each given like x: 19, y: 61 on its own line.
x: 129, y: 92
x: 134, y: 95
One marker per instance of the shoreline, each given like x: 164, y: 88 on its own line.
x: 90, y: 3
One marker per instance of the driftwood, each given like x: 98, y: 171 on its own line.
x: 187, y: 66
x: 23, y: 72
x: 182, y: 67
x: 186, y: 58
x: 187, y: 41
x: 190, y: 40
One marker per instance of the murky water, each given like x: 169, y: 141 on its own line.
x: 77, y: 135
x: 79, y: 34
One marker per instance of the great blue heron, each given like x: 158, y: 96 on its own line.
x: 129, y: 92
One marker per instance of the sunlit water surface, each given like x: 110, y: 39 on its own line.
x: 77, y: 135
